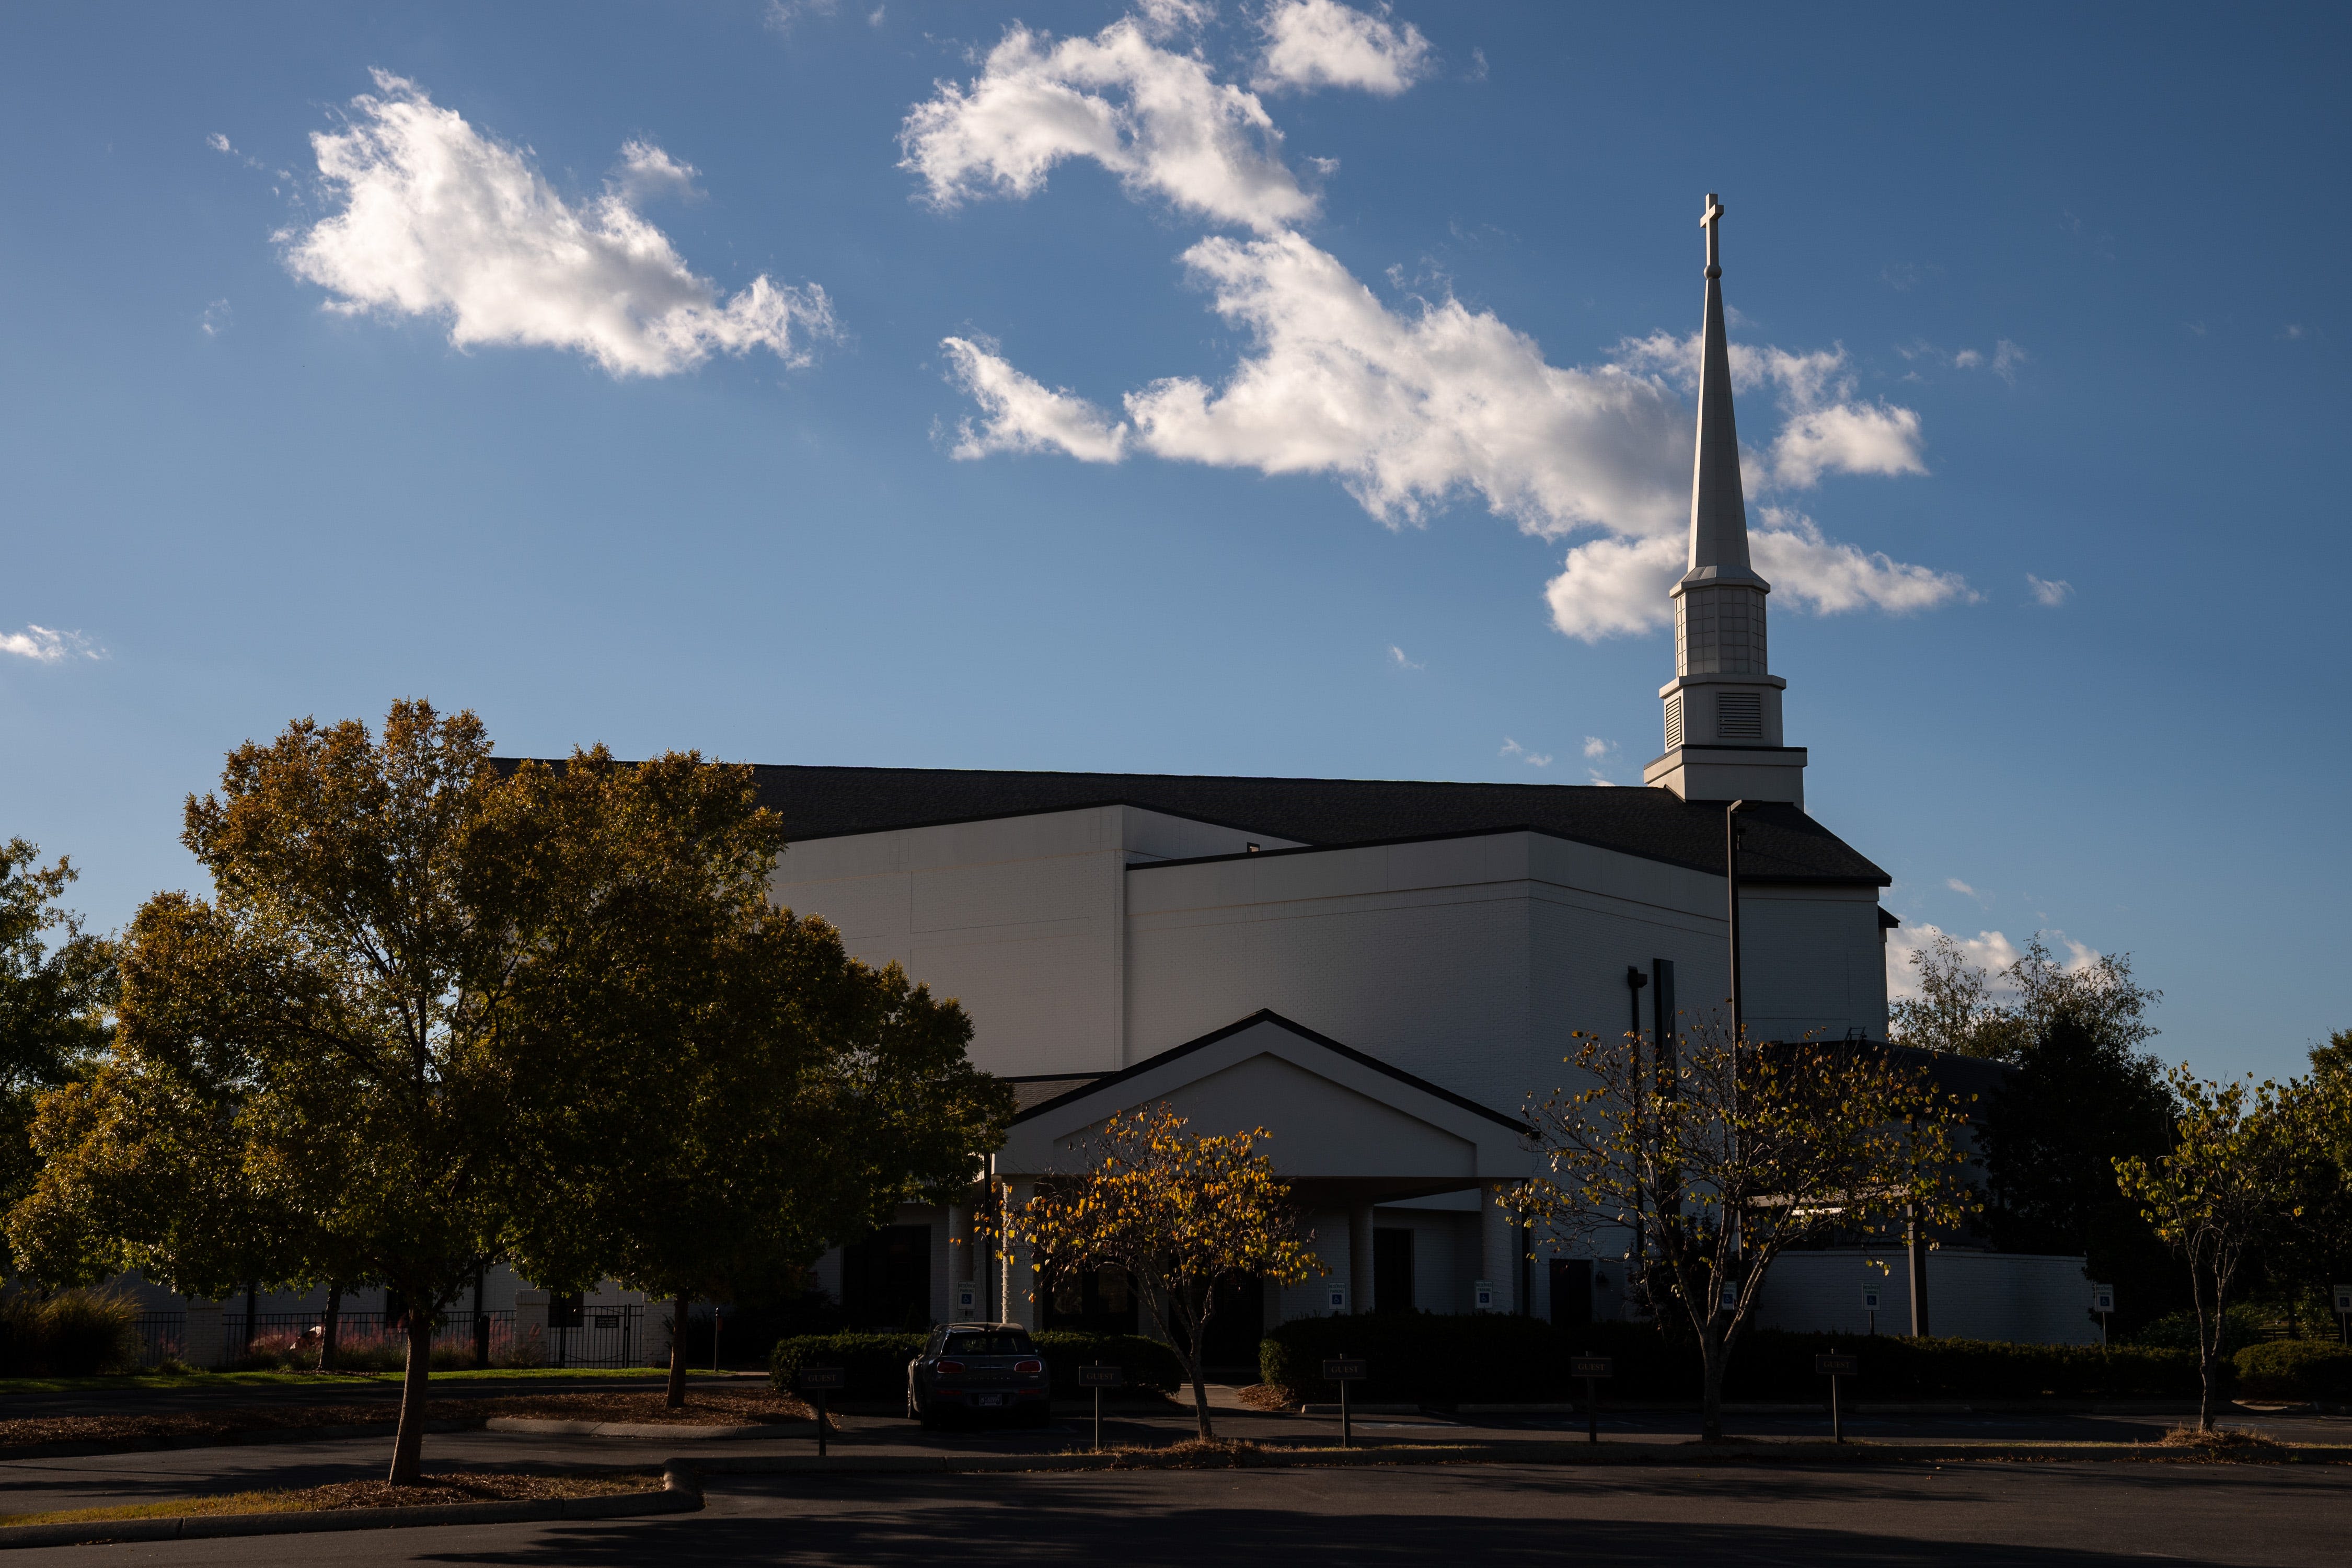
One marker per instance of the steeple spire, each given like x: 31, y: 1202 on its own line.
x: 1718, y: 520
x: 1722, y: 706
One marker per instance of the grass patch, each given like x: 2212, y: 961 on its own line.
x: 704, y: 1407
x: 435, y: 1490
x: 134, y: 1381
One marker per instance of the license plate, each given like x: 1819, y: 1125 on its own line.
x: 988, y: 1400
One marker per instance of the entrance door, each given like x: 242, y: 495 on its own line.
x: 1236, y: 1325
x: 1571, y: 1291
x: 886, y: 1279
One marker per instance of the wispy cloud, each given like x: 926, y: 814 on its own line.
x: 2006, y: 357
x: 2049, y: 592
x: 44, y: 644
x: 217, y: 318
x: 438, y: 220
x: 1533, y: 759
x: 1397, y: 657
x: 1959, y: 886
x: 1021, y: 413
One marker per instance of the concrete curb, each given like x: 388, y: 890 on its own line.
x: 681, y: 1492
x: 677, y: 1431
x: 1550, y: 1452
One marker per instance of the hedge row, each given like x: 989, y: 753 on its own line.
x: 877, y: 1363
x: 1429, y: 1358
x: 2295, y: 1369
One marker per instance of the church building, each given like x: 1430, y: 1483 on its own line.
x: 1381, y: 974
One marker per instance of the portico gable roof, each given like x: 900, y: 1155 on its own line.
x: 1334, y: 1114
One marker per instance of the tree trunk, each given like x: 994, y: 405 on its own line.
x: 676, y: 1398
x: 329, y: 1324
x: 252, y: 1292
x: 1199, y: 1337
x: 408, y: 1446
x: 2210, y: 1328
x: 1710, y: 1407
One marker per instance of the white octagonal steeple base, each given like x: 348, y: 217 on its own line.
x: 1732, y: 773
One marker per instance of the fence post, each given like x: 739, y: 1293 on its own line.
x: 530, y: 1321
x: 205, y: 1345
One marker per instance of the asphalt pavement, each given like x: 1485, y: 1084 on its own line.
x: 1494, y: 1516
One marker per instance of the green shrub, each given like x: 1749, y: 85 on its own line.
x: 2295, y: 1369
x: 875, y: 1363
x: 1428, y: 1357
x: 77, y: 1333
x: 1150, y: 1366
x: 2241, y: 1325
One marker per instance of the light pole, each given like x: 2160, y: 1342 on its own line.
x: 1738, y: 1018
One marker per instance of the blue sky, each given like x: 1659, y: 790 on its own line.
x: 1283, y: 389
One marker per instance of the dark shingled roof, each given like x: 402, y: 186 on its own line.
x: 1781, y: 844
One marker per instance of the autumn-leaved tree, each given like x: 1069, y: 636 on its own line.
x: 58, y: 987
x: 1722, y: 1155
x: 1182, y: 1213
x: 2233, y: 1179
x: 764, y: 1095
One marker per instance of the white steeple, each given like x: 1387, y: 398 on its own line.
x: 1723, y: 706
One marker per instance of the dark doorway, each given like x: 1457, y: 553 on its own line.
x: 1236, y: 1325
x: 886, y: 1279
x: 1099, y: 1300
x: 1392, y: 1271
x: 1571, y: 1291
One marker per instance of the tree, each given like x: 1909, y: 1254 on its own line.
x: 1959, y: 1007
x: 1724, y: 1154
x: 780, y: 1095
x: 2229, y: 1182
x: 57, y: 988
x: 1182, y: 1213
x: 2076, y: 1104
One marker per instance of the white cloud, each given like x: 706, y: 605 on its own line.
x: 439, y: 220
x: 2048, y: 592
x: 1408, y: 409
x: 1533, y: 759
x: 646, y: 171
x: 1021, y: 413
x: 1412, y: 407
x: 217, y: 318
x: 1968, y: 358
x: 1828, y: 578
x: 2006, y: 357
x: 1825, y: 427
x: 1987, y: 949
x: 1155, y: 118
x: 1313, y: 44
x: 45, y: 646
x: 1595, y: 748
x: 1396, y: 656
x: 1959, y: 886
x: 220, y: 144
x: 1616, y: 587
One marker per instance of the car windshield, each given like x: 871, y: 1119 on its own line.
x: 986, y: 1344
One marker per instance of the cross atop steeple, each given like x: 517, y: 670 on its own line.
x: 1707, y: 220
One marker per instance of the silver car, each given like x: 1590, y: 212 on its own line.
x: 978, y: 1369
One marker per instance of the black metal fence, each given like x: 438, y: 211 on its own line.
x: 368, y: 1337
x: 163, y: 1336
x: 604, y: 1336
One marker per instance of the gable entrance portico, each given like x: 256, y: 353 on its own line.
x: 1347, y: 1130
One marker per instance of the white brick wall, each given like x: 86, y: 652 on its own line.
x: 2022, y: 1299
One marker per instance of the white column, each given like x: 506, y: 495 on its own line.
x: 1498, y: 1249
x: 202, y: 1341
x: 959, y: 1243
x: 1360, y: 1258
x: 1019, y: 1274
x: 660, y: 1323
